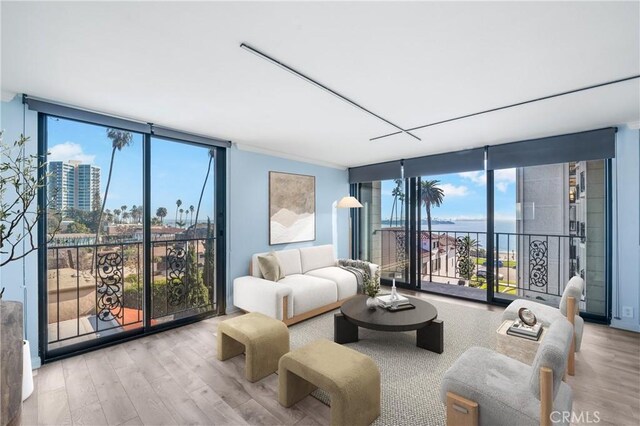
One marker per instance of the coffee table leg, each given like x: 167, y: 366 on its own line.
x: 343, y: 330
x: 431, y: 337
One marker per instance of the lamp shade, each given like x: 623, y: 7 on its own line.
x: 348, y: 203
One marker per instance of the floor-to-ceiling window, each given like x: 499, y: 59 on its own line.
x: 504, y: 222
x: 137, y: 223
x: 559, y: 217
x: 453, y: 234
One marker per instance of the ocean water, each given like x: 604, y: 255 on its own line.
x: 477, y: 230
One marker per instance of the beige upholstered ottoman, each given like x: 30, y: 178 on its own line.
x: 263, y: 339
x: 351, y: 378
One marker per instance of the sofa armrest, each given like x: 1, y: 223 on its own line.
x: 373, y: 268
x: 254, y: 294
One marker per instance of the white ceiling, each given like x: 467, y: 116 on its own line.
x: 180, y: 65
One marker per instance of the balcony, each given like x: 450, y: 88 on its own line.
x: 533, y: 266
x: 94, y: 291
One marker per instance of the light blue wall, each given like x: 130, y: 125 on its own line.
x: 626, y: 229
x: 248, y: 221
x: 20, y: 278
x: 248, y: 226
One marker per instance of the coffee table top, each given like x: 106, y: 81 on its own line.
x: 357, y: 312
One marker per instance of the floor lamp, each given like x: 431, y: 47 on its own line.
x: 349, y: 202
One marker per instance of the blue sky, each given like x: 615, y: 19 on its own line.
x: 465, y: 196
x: 177, y: 170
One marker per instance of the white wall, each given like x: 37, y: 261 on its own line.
x: 626, y: 230
x: 20, y: 278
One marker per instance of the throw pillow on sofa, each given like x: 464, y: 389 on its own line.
x: 270, y: 267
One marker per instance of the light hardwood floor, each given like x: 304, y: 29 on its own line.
x: 175, y: 378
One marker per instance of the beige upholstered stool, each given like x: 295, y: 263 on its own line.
x: 351, y: 378
x: 263, y: 339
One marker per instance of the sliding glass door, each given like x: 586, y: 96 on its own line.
x: 183, y: 230
x: 137, y: 224
x: 384, y: 228
x: 559, y: 212
x: 508, y: 221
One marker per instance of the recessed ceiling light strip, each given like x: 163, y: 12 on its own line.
x: 322, y: 86
x: 509, y: 106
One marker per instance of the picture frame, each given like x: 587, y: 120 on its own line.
x: 292, y: 208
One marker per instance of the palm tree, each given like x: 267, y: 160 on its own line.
x: 117, y: 213
x: 178, y: 204
x: 119, y: 139
x: 191, y: 210
x: 161, y: 213
x: 430, y: 195
x: 126, y: 216
x: 134, y: 213
x: 181, y: 212
x: 204, y: 183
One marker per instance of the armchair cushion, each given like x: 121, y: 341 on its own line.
x: 499, y: 385
x: 552, y: 353
x: 573, y: 289
x: 544, y: 313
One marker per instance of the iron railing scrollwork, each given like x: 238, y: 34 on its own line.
x: 538, y: 263
x: 176, y: 265
x: 110, y: 268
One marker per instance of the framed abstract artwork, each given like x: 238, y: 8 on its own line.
x: 292, y: 208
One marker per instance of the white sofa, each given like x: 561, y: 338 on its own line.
x: 313, y: 284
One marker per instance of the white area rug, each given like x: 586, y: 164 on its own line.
x: 410, y: 376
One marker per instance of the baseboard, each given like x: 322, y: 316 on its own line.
x: 35, y: 362
x: 625, y: 325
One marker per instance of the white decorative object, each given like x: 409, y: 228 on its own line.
x: 372, y: 302
x: 27, y: 374
x: 349, y: 203
x: 394, y: 295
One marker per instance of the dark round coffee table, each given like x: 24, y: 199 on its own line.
x: 354, y: 313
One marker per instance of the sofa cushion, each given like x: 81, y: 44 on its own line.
x: 346, y: 282
x: 270, y: 267
x: 289, y: 262
x: 317, y: 257
x: 309, y: 292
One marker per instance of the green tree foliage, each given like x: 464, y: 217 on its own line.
x: 198, y: 294
x: 466, y: 265
x: 77, y: 228
x: 209, y: 258
x: 431, y: 195
x: 161, y: 213
x: 89, y: 220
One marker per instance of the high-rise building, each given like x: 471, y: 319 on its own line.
x: 74, y: 185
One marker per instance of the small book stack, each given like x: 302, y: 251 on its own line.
x: 520, y: 329
x: 385, y: 301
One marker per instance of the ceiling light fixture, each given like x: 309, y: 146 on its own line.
x: 510, y: 106
x: 322, y: 86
